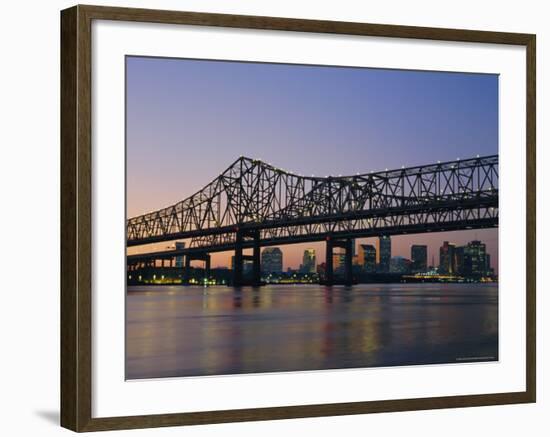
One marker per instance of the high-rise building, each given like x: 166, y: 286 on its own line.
x: 477, y: 258
x: 367, y: 258
x: 447, y: 259
x: 461, y: 257
x: 272, y: 260
x: 308, y: 261
x: 179, y: 259
x: 384, y: 253
x: 419, y: 258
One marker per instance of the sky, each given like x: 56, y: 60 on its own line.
x: 188, y: 120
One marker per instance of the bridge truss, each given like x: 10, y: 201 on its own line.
x: 280, y: 207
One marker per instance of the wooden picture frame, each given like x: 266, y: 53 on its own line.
x: 76, y: 218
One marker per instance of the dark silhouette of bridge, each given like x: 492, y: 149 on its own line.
x: 253, y: 204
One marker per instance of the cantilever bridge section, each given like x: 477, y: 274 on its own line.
x: 253, y: 204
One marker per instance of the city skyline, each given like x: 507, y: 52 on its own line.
x: 306, y: 119
x: 432, y: 256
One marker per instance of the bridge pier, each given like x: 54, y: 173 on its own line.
x: 238, y: 279
x: 199, y: 257
x: 238, y: 261
x: 346, y: 244
x: 206, y: 266
x: 256, y: 266
x: 187, y: 270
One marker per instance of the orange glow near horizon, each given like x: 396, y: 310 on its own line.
x: 401, y: 246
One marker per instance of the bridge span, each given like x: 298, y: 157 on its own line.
x: 253, y: 204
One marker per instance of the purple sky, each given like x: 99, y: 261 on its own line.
x: 187, y: 120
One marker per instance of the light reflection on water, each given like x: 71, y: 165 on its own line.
x: 192, y: 331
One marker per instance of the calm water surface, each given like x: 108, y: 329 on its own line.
x: 191, y: 331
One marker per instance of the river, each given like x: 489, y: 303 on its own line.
x: 176, y: 331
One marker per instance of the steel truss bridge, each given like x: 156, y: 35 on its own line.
x: 253, y: 204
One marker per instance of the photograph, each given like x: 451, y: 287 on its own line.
x: 293, y: 217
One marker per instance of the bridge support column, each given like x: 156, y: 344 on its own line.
x: 329, y: 267
x: 187, y: 269
x: 197, y: 257
x: 347, y: 245
x: 256, y: 266
x: 206, y: 266
x: 238, y: 261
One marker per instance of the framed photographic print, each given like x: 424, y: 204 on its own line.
x: 267, y: 218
